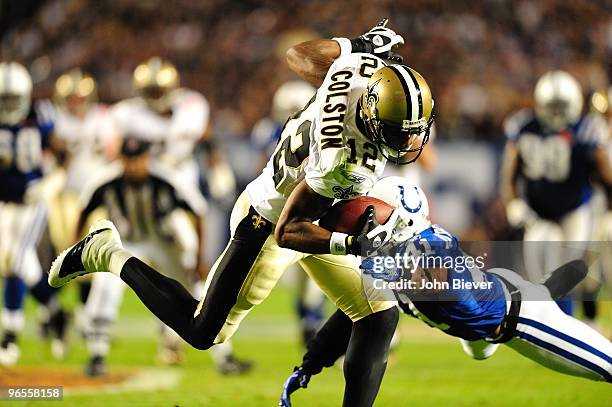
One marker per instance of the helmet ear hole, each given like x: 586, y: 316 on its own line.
x: 410, y: 222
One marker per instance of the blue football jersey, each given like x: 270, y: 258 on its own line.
x: 265, y: 135
x: 555, y: 166
x: 21, y: 152
x: 470, y: 305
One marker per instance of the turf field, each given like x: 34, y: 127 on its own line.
x: 428, y: 369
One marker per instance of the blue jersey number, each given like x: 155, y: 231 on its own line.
x: 545, y: 157
x: 23, y: 150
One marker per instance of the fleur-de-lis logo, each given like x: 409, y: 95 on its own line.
x: 258, y: 221
x: 372, y: 97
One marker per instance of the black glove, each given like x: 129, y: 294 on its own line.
x: 380, y: 41
x: 373, y: 235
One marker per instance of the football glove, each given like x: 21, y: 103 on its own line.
x: 519, y: 214
x: 381, y: 41
x: 373, y: 235
x: 298, y: 379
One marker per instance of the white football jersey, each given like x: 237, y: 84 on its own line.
x: 87, y: 141
x: 323, y: 143
x: 173, y: 136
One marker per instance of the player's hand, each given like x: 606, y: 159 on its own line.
x: 384, y: 40
x: 519, y: 214
x: 373, y: 235
x: 297, y: 380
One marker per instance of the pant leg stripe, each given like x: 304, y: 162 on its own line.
x: 567, y: 355
x: 565, y: 337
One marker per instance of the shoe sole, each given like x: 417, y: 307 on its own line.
x: 54, y: 279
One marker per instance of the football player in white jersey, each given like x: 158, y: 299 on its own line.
x: 174, y: 119
x: 288, y: 99
x: 364, y: 113
x: 90, y: 135
x: 552, y: 153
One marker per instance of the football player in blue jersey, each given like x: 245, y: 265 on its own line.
x: 550, y: 158
x: 25, y: 133
x: 443, y: 286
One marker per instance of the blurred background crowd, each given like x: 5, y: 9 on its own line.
x: 481, y: 57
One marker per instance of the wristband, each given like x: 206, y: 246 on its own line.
x: 337, y: 243
x: 362, y: 45
x: 345, y: 45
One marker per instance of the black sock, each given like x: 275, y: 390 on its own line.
x: 330, y: 342
x: 366, y: 357
x: 164, y: 297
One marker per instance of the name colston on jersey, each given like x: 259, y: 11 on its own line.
x: 334, y: 108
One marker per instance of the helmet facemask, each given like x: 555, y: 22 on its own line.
x: 394, y: 141
x: 13, y: 108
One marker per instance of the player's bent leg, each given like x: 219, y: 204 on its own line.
x: 237, y: 281
x: 548, y: 336
x: 366, y: 357
x: 479, y: 350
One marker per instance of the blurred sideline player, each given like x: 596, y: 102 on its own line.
x: 25, y: 136
x: 174, y: 120
x: 288, y: 99
x: 364, y: 114
x: 503, y: 309
x: 88, y: 131
x: 91, y: 139
x: 553, y: 152
x: 149, y: 207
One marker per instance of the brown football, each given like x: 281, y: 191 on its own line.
x: 345, y: 216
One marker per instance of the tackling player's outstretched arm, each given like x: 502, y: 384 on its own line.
x: 295, y: 229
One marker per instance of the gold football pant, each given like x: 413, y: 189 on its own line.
x: 338, y: 276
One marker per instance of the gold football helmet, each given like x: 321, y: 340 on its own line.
x: 153, y: 80
x: 75, y: 90
x: 397, y: 110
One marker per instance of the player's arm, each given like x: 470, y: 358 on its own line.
x: 509, y: 173
x: 196, y: 206
x: 602, y: 165
x: 295, y: 229
x: 312, y: 59
x: 518, y: 212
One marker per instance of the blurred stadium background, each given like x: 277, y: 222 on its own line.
x: 481, y: 58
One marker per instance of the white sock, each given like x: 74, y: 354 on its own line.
x: 118, y: 260
x: 221, y: 351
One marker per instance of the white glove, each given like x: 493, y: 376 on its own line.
x: 384, y: 40
x: 519, y: 213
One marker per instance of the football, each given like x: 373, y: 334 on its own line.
x: 345, y: 216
